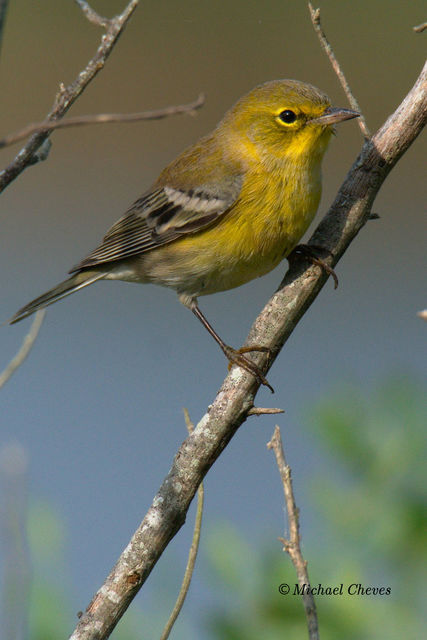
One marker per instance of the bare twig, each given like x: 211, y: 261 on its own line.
x: 301, y: 285
x: 192, y: 553
x: 292, y: 544
x: 315, y: 18
x: 68, y: 95
x: 419, y: 28
x: 38, y: 146
x: 103, y: 118
x: 25, y: 348
x: 92, y: 16
x: 261, y: 411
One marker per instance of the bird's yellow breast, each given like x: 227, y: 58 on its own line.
x: 260, y: 229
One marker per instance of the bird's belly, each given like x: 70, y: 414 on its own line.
x: 224, y: 256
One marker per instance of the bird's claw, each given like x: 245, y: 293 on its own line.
x: 235, y: 356
x: 310, y: 252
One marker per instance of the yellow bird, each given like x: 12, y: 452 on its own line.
x: 227, y: 210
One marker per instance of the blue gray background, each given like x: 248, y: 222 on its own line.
x: 98, y: 404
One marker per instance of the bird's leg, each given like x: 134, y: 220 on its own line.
x: 310, y: 251
x: 235, y: 356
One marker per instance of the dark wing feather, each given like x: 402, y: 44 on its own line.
x: 159, y: 217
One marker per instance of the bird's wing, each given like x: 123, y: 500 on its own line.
x: 161, y: 216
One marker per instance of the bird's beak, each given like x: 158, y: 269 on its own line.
x: 332, y: 115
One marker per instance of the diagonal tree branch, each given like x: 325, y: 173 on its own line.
x: 38, y: 146
x: 68, y: 95
x: 347, y: 215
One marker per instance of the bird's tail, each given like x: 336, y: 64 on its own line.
x: 63, y: 289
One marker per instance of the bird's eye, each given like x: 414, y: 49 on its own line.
x: 287, y: 116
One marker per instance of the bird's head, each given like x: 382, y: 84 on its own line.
x: 284, y: 119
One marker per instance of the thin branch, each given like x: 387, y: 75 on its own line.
x: 292, y: 545
x: 92, y: 16
x: 24, y: 350
x: 192, y: 555
x: 301, y: 285
x: 103, y: 118
x: 315, y: 18
x: 38, y: 146
x: 264, y: 411
x: 68, y: 95
x: 420, y: 27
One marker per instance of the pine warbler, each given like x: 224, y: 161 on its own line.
x: 227, y: 210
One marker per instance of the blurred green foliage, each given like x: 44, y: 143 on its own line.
x: 368, y: 530
x: 50, y: 612
x: 371, y: 530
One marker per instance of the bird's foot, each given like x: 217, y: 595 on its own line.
x: 311, y: 251
x: 235, y: 356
